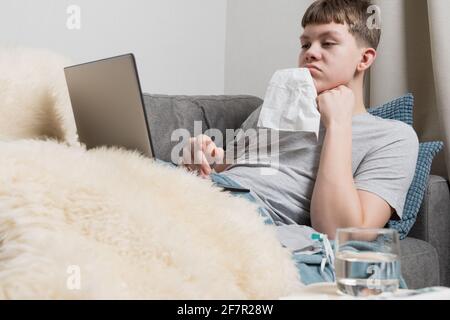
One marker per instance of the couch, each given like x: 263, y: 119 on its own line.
x: 425, y: 253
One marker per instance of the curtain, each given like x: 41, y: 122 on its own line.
x: 414, y: 56
x: 440, y: 52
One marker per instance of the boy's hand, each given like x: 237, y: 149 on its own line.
x: 200, y: 153
x: 336, y: 106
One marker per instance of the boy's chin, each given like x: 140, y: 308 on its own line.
x: 320, y: 86
x: 320, y: 89
x: 324, y: 87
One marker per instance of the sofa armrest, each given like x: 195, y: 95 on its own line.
x: 433, y: 223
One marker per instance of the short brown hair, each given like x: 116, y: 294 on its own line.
x: 353, y: 12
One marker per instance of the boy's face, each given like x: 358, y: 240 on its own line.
x: 333, y: 50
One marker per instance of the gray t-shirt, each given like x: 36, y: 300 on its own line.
x: 384, y: 156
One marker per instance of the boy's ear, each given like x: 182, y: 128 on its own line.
x: 368, y: 57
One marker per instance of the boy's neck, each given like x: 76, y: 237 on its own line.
x: 360, y: 108
x: 357, y: 87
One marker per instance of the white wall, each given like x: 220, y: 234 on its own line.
x: 262, y: 37
x: 179, y: 44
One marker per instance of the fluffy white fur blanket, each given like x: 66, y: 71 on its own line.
x: 108, y: 223
x: 132, y: 227
x: 34, y: 100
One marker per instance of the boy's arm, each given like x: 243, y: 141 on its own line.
x: 336, y: 203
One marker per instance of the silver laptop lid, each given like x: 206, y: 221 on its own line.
x: 107, y: 104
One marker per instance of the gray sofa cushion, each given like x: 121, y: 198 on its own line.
x: 419, y: 263
x: 433, y: 223
x: 227, y: 112
x: 166, y: 114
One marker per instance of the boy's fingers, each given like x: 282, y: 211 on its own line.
x: 202, y: 141
x: 194, y: 156
x: 210, y: 152
x: 187, y: 156
x: 205, y: 167
x: 198, y: 157
x: 210, y: 148
x: 219, y: 155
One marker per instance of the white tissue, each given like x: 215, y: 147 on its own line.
x: 290, y: 102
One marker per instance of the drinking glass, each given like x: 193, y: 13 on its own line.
x: 367, y: 261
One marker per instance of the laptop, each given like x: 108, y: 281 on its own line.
x: 107, y: 104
